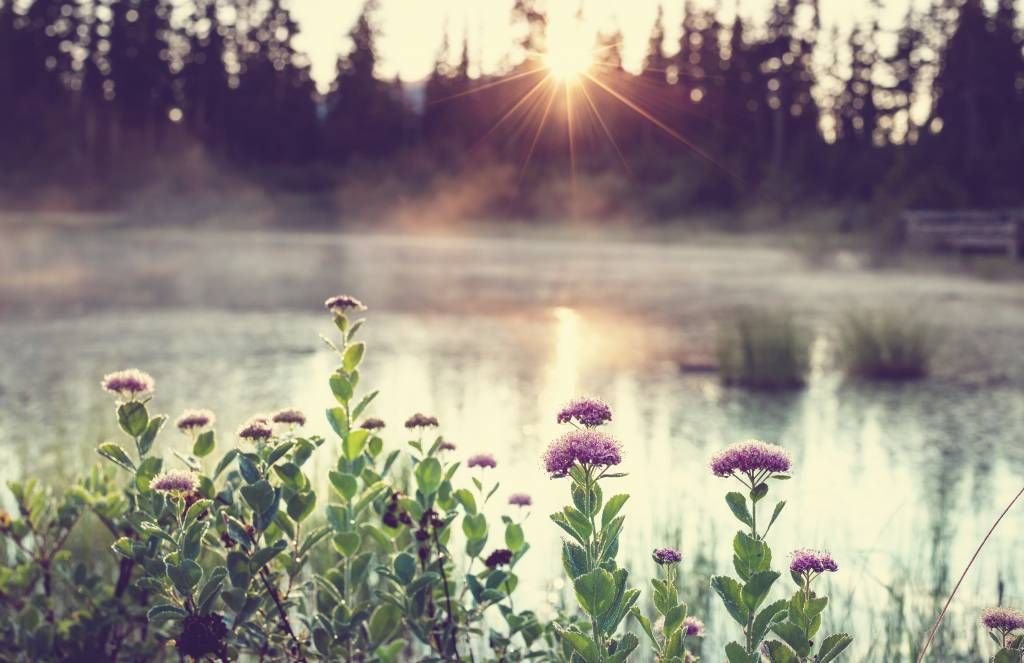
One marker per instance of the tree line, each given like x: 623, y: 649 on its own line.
x: 929, y: 113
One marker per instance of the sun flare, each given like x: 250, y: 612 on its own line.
x: 570, y: 54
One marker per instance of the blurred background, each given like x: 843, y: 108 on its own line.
x: 799, y: 220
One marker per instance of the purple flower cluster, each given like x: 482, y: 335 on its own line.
x: 420, y: 420
x: 812, y: 561
x: 693, y: 627
x: 340, y: 304
x: 372, y: 423
x: 749, y: 457
x: 666, y: 556
x: 520, y: 499
x: 256, y: 430
x: 585, y: 447
x: 1002, y: 619
x: 130, y: 384
x: 193, y: 421
x: 175, y: 481
x: 500, y: 557
x: 446, y: 446
x: 290, y: 417
x: 588, y: 412
x: 482, y: 461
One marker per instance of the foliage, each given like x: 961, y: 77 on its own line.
x: 886, y: 346
x: 762, y: 350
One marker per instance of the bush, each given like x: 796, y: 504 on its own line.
x: 762, y: 350
x: 885, y: 346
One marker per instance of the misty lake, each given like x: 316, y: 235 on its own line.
x: 899, y: 482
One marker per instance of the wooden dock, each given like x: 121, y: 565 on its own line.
x: 966, y: 231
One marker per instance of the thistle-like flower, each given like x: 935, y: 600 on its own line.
x: 341, y: 304
x: 130, y: 384
x: 520, y: 500
x: 372, y: 423
x: 589, y: 412
x: 289, y: 417
x: 1002, y: 619
x: 809, y: 562
x: 175, y: 481
x: 257, y: 429
x: 482, y: 461
x: 192, y: 422
x: 420, y: 420
x: 752, y: 457
x: 693, y: 627
x: 665, y: 556
x: 588, y: 448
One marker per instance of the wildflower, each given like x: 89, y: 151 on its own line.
x: 586, y: 447
x: 291, y: 417
x: 752, y: 456
x: 175, y: 481
x: 372, y: 423
x: 256, y: 430
x: 806, y: 562
x: 500, y: 557
x: 589, y: 412
x: 202, y: 636
x: 420, y: 420
x: 520, y: 499
x: 131, y: 384
x: 194, y: 421
x: 667, y: 556
x: 340, y: 304
x: 1002, y: 619
x: 482, y: 461
x: 446, y: 446
x: 693, y: 627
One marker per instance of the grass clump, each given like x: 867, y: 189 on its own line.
x: 885, y: 346
x: 763, y: 350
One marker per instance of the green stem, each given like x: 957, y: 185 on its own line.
x: 593, y: 545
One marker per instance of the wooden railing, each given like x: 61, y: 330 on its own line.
x: 966, y: 230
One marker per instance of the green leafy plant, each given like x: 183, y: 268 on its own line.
x: 762, y: 350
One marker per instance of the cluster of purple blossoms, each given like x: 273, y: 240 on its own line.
x: 130, y: 384
x: 693, y: 627
x: 289, y: 417
x: 500, y: 557
x: 812, y: 561
x: 665, y: 556
x: 586, y: 447
x: 194, y: 421
x: 372, y: 423
x: 446, y: 445
x: 750, y: 457
x: 256, y: 430
x: 1002, y: 619
x: 482, y: 461
x: 341, y: 304
x: 175, y: 481
x: 589, y: 412
x: 420, y: 420
x: 520, y: 499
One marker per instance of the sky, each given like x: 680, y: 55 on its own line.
x: 412, y: 30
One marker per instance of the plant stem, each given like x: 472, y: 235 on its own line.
x: 452, y: 627
x: 299, y: 656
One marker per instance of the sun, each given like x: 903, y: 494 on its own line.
x: 569, y: 55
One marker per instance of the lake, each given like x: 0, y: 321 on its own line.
x: 492, y: 335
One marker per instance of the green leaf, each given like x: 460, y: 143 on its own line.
x: 428, y: 475
x: 731, y: 593
x: 582, y: 644
x: 185, y: 576
x: 355, y: 442
x: 833, y: 646
x: 405, y: 568
x: 238, y: 569
x: 224, y: 462
x: 775, y: 514
x: 384, y: 622
x: 772, y: 614
x: 133, y: 418
x: 290, y: 475
x: 259, y: 495
x: 341, y: 388
x: 262, y: 557
x: 793, y: 636
x: 779, y: 653
x: 165, y: 611
x: 738, y: 505
x: 347, y: 543
x: 149, y: 434
x: 624, y: 648
x: 514, y: 538
x: 574, y: 559
x: 466, y: 499
x: 195, y: 510
x: 338, y: 420
x: 301, y: 505
x: 755, y: 591
x: 612, y: 508
x: 389, y: 653
x: 645, y: 624
x: 208, y: 594
x: 595, y: 591
x: 148, y: 469
x: 475, y: 526
x: 279, y: 451
x: 346, y: 484
x: 674, y: 618
x: 353, y: 355
x: 366, y: 400
x: 204, y: 444
x: 737, y: 654
x: 115, y: 453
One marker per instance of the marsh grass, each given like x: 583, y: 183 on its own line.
x: 886, y: 346
x: 763, y: 350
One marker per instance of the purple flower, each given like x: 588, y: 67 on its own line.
x: 667, y: 556
x: 175, y: 481
x: 750, y: 457
x: 340, y: 304
x: 130, y: 384
x: 193, y: 421
x: 420, y: 420
x: 500, y: 557
x: 1002, y: 619
x: 693, y: 627
x: 589, y: 412
x: 256, y: 430
x: 446, y: 446
x: 372, y: 423
x: 481, y: 460
x: 520, y: 499
x: 586, y: 447
x: 812, y: 561
x: 291, y: 417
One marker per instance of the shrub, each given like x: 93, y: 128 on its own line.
x: 762, y: 350
x: 885, y: 346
